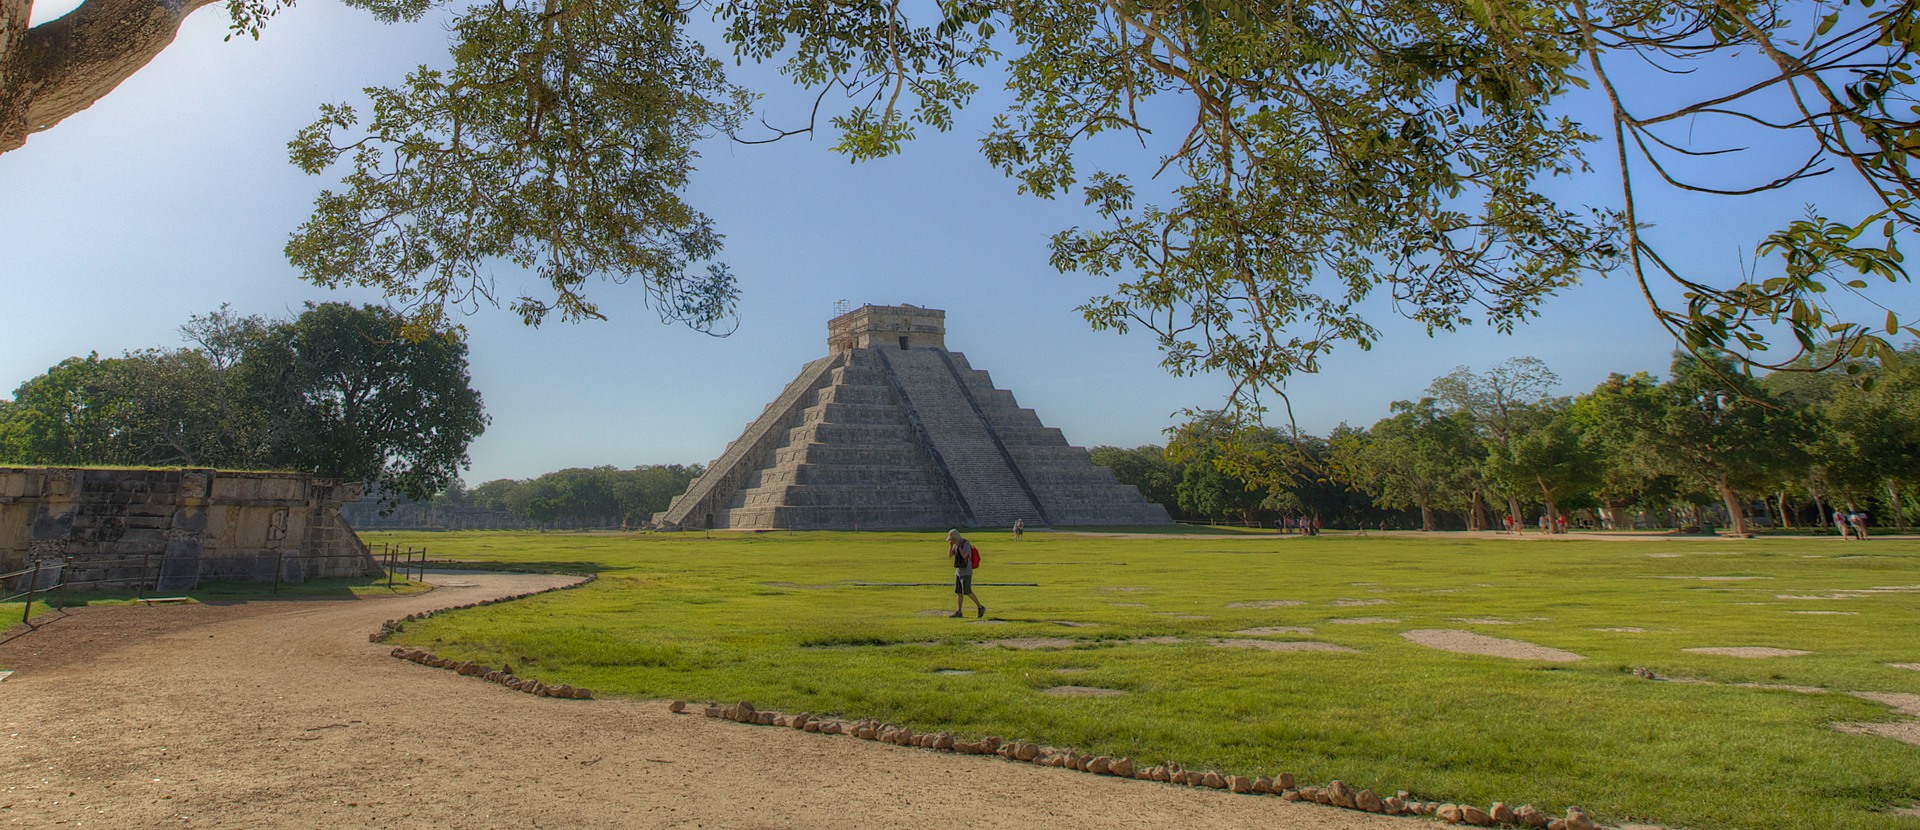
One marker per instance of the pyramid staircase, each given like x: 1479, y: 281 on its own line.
x: 875, y: 436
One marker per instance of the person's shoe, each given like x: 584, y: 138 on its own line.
x: 981, y: 612
x: 955, y: 615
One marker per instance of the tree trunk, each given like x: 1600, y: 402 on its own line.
x: 1513, y: 509
x: 1899, y: 511
x: 1426, y: 517
x: 1476, y: 518
x: 1736, y: 516
x: 1781, y: 497
x: 61, y: 67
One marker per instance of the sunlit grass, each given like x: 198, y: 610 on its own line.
x: 774, y: 618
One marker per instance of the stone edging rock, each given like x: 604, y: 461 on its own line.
x: 392, y: 627
x: 1335, y: 794
x: 502, y: 676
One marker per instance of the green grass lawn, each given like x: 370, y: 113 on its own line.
x: 775, y: 619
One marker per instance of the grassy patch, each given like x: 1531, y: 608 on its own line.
x: 775, y: 618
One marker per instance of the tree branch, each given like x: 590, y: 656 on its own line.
x: 61, y: 67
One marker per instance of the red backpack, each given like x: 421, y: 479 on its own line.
x: 976, y: 557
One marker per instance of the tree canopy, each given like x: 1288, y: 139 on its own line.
x: 337, y: 392
x: 1315, y: 153
x: 1636, y: 445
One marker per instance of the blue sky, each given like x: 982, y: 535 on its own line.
x: 173, y: 195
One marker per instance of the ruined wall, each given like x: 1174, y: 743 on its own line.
x: 178, y: 527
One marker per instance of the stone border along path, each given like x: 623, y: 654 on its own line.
x: 1334, y: 794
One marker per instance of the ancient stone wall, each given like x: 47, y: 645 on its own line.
x: 175, y: 528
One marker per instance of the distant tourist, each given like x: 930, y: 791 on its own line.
x: 1858, y: 519
x: 1019, y: 527
x: 1841, y: 523
x: 961, y: 551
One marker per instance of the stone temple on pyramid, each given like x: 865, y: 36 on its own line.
x: 891, y: 430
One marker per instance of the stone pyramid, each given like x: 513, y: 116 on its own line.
x: 891, y: 430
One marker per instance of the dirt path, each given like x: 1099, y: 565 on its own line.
x: 282, y: 715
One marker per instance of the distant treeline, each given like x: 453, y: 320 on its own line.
x: 581, y: 493
x: 1709, y: 443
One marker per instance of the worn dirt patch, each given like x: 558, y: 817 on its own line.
x: 1275, y: 629
x: 1030, y: 643
x: 1082, y: 691
x: 1710, y: 578
x: 1361, y: 621
x: 1749, y: 651
x: 1282, y: 645
x: 1487, y: 622
x: 1074, y: 624
x: 1829, y: 613
x: 1904, y: 731
x: 1699, y: 553
x: 1266, y: 603
x: 1907, y: 666
x: 1783, y: 687
x: 1356, y: 603
x: 1905, y: 704
x: 1467, y: 642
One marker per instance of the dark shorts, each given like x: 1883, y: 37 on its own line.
x: 963, y: 584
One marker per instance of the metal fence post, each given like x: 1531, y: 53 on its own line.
x: 66, y: 579
x: 279, y: 566
x: 28, y: 607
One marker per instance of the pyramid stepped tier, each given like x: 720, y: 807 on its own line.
x: 894, y: 431
x: 1068, y: 485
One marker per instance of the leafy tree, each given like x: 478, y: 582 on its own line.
x: 1331, y: 149
x: 1419, y: 458
x: 1551, y: 456
x: 1623, y: 481
x: 349, y: 396
x: 1228, y: 465
x: 1501, y: 403
x: 1711, y: 426
x: 61, y: 417
x: 1869, y: 431
x: 1147, y: 468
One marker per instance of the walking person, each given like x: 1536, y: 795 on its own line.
x: 961, y: 552
x: 1019, y: 527
x: 1842, y: 523
x: 1858, y: 519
